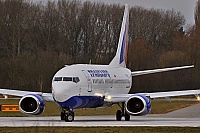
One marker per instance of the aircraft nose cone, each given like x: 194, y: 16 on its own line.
x: 62, y: 91
x: 58, y: 94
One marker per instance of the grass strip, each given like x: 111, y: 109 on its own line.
x: 159, y: 106
x: 100, y: 130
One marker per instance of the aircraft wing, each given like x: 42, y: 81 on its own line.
x: 138, y: 73
x: 172, y: 93
x: 115, y: 98
x: 45, y: 96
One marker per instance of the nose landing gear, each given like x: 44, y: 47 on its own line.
x: 67, y: 114
x: 122, y: 113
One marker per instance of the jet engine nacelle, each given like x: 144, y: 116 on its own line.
x: 138, y: 105
x: 32, y: 104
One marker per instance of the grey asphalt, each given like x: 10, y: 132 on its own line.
x: 187, y: 117
x: 188, y: 112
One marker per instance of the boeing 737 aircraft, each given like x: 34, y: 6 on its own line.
x: 93, y: 86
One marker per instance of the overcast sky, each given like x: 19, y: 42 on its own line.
x: 186, y: 7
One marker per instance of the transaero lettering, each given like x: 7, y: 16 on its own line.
x: 98, y: 73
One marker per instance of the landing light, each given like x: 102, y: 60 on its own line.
x: 98, y: 94
x: 198, y: 98
x: 5, y: 96
x: 108, y: 97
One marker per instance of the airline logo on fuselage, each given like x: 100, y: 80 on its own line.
x: 98, y: 73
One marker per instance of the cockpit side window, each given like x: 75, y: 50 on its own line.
x: 58, y: 79
x: 76, y: 79
x: 67, y: 78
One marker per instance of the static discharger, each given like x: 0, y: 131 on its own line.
x: 9, y: 108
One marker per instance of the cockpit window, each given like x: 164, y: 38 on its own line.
x: 67, y: 78
x: 58, y: 79
x: 73, y: 79
x: 76, y: 79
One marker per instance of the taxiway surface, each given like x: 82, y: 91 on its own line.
x: 187, y: 117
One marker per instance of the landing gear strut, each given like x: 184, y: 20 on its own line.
x: 67, y: 114
x: 122, y: 113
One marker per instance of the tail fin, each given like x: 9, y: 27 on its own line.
x: 120, y: 58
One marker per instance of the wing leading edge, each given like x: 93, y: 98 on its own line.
x: 138, y: 73
x: 115, y: 98
x: 45, y: 96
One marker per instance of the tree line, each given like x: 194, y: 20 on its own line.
x: 38, y: 39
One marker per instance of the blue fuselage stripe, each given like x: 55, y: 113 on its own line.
x: 123, y: 47
x: 82, y: 102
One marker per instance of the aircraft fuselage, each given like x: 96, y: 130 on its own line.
x: 90, y: 81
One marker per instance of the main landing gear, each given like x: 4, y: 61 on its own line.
x: 122, y: 113
x: 67, y: 114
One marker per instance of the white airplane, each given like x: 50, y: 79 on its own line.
x: 93, y: 86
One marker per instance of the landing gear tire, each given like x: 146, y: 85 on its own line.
x: 119, y: 115
x: 62, y: 116
x: 67, y: 114
x: 122, y: 113
x: 69, y: 117
x: 127, y: 117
